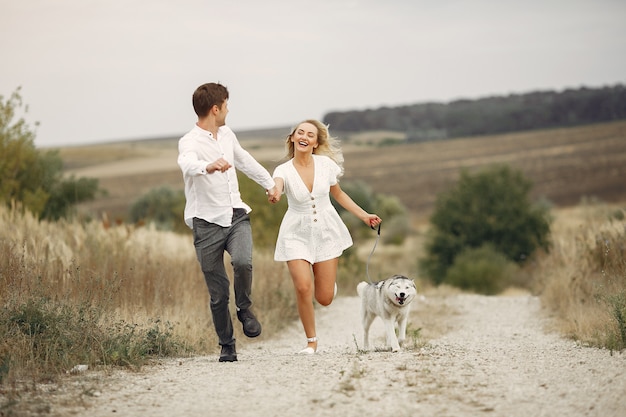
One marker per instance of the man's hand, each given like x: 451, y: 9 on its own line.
x: 221, y: 165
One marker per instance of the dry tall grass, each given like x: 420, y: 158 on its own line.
x: 583, y: 279
x: 143, y: 278
x: 134, y: 276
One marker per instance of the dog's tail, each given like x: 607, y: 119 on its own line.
x: 360, y: 289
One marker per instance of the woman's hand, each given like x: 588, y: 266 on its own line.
x: 372, y: 220
x: 273, y: 195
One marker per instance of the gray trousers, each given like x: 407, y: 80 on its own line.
x: 210, y: 241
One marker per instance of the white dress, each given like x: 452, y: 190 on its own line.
x: 311, y: 228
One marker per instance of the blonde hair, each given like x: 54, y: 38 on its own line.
x: 326, y: 144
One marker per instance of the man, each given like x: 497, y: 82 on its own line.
x: 208, y: 156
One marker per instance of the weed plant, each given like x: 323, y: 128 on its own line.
x: 483, y: 270
x: 583, y: 279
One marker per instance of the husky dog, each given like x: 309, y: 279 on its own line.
x: 389, y: 300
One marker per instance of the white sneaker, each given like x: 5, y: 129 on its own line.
x: 309, y: 350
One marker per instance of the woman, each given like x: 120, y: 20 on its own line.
x: 312, y: 236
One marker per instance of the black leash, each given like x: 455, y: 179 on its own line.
x: 367, y: 265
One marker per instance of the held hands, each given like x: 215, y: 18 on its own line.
x: 220, y: 165
x: 273, y: 195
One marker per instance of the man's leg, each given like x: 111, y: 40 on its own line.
x: 239, y: 246
x: 209, y: 240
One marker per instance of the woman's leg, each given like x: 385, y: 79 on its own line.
x: 300, y: 271
x: 325, y: 274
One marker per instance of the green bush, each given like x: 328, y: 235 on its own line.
x: 32, y: 177
x: 483, y: 270
x: 46, y: 336
x: 64, y: 194
x: 264, y: 217
x: 489, y: 207
x: 395, y: 215
x: 389, y: 208
x: 361, y: 193
x: 164, y: 207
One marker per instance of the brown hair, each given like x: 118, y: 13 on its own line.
x: 208, y: 95
x: 326, y: 144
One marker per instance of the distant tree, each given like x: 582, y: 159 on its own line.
x: 489, y: 207
x: 31, y: 177
x: 489, y: 115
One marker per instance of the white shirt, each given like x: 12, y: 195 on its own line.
x: 212, y: 197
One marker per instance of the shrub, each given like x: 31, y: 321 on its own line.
x: 66, y: 193
x: 395, y: 214
x: 46, y: 337
x: 163, y: 207
x: 389, y: 208
x: 265, y: 218
x: 491, y: 206
x: 483, y: 270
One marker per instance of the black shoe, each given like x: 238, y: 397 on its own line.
x: 251, y: 326
x: 229, y: 354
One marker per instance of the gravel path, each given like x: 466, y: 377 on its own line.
x: 475, y: 356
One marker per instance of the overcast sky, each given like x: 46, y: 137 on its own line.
x: 100, y: 70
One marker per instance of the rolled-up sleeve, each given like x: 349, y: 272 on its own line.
x: 188, y: 160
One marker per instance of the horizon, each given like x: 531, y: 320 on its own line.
x: 267, y: 129
x: 110, y: 70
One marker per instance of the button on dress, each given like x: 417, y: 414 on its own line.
x: 311, y: 228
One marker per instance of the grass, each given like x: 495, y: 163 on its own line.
x: 76, y: 293
x: 81, y: 293
x: 583, y: 278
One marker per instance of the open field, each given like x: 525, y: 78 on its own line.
x: 565, y: 165
x: 467, y: 354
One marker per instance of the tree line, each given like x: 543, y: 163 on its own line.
x: 490, y: 115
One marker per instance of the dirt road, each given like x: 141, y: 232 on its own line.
x: 474, y: 356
